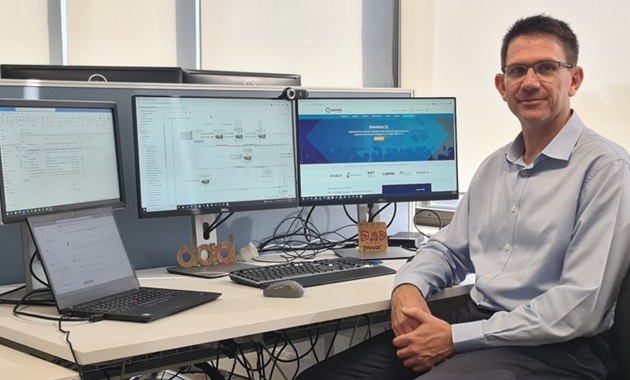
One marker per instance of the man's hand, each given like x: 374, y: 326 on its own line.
x: 406, y: 296
x: 430, y: 343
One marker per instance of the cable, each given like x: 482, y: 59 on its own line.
x: 432, y: 212
x: 372, y: 216
x: 67, y: 336
x: 244, y: 363
x: 302, y: 239
x: 354, y: 329
x: 215, y: 224
x: 298, y: 241
x: 23, y: 302
x: 32, y: 269
x: 332, y: 342
x: 271, y: 355
x: 211, y: 370
x: 12, y: 290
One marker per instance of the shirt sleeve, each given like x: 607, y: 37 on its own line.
x: 438, y: 265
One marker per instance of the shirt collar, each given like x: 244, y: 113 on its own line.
x: 559, y: 148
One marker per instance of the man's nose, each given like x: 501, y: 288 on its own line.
x: 531, y: 79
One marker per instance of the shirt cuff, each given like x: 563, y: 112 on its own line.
x: 409, y: 280
x: 467, y: 336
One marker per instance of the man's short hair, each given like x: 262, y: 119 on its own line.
x: 543, y: 25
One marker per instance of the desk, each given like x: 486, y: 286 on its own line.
x: 18, y: 365
x: 241, y: 311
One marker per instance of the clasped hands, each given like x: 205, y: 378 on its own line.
x: 422, y: 340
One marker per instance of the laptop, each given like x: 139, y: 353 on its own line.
x: 89, y: 270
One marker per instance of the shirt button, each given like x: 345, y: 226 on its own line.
x: 514, y: 208
x: 488, y: 276
x: 523, y: 173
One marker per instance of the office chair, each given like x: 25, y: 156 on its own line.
x: 620, y: 338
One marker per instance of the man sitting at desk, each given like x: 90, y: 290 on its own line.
x: 545, y: 227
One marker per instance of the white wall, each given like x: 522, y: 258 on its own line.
x: 121, y: 32
x: 452, y: 48
x: 319, y: 39
x: 24, y: 31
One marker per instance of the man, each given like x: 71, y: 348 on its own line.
x: 545, y: 228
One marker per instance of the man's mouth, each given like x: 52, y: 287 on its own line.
x: 531, y: 102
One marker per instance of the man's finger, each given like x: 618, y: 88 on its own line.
x: 416, y: 314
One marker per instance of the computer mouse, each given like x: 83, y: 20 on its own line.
x: 284, y: 289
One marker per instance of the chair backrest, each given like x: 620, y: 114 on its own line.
x: 621, y: 331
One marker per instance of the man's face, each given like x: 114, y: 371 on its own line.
x: 535, y: 99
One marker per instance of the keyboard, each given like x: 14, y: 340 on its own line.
x: 311, y: 273
x: 128, y: 300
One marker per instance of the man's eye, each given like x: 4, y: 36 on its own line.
x: 545, y: 68
x: 517, y: 71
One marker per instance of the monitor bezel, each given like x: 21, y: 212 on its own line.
x: 233, y: 207
x: 99, y: 74
x: 381, y: 198
x: 39, y: 103
x: 240, y: 78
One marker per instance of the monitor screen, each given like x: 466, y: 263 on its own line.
x: 58, y: 156
x: 239, y: 78
x: 200, y: 155
x: 367, y: 150
x: 93, y: 73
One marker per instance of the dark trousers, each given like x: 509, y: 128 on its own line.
x: 375, y: 359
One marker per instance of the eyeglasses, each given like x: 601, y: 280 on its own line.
x: 543, y: 69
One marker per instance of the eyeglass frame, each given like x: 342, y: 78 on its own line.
x: 558, y: 64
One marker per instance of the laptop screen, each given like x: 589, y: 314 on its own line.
x: 83, y: 255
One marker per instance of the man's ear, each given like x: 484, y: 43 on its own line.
x: 576, y: 80
x: 499, y: 83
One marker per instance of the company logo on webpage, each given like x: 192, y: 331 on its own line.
x: 334, y: 110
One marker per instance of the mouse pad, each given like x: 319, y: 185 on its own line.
x: 210, y: 271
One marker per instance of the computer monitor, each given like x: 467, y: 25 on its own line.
x: 201, y: 156
x: 92, y: 73
x: 365, y: 150
x: 376, y: 150
x: 57, y: 156
x: 239, y: 78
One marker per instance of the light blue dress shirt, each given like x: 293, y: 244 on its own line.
x: 548, y: 242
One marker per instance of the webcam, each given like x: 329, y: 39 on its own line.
x: 291, y: 93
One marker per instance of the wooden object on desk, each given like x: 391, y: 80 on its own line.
x: 372, y: 237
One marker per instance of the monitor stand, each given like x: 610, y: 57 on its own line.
x: 200, y: 224
x: 392, y: 253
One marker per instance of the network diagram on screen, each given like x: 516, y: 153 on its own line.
x: 213, y: 153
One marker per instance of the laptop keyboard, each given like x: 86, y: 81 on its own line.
x: 129, y: 300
